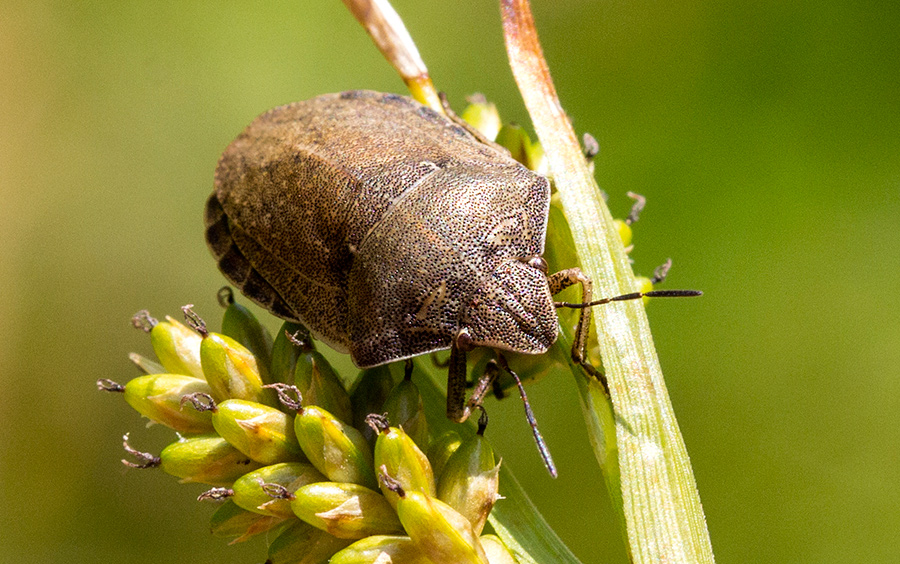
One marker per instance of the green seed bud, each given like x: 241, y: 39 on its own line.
x: 483, y: 116
x: 263, y: 433
x: 249, y: 493
x: 624, y: 230
x: 643, y: 284
x: 240, y: 324
x: 496, y: 551
x: 336, y: 449
x: 231, y: 370
x: 319, y: 385
x: 229, y: 520
x: 398, y: 454
x: 372, y: 388
x: 513, y: 137
x: 177, y: 348
x: 285, y: 353
x: 158, y: 398
x: 405, y: 408
x: 439, y: 531
x: 206, y: 460
x: 381, y: 549
x: 347, y: 511
x: 470, y: 481
x: 534, y: 157
x: 441, y: 450
x: 302, y: 543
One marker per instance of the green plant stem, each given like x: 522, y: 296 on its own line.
x: 664, y: 518
x: 599, y: 417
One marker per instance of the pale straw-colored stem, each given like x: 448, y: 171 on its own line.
x: 664, y: 518
x: 386, y: 29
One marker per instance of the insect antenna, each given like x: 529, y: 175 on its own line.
x: 529, y: 415
x: 633, y: 296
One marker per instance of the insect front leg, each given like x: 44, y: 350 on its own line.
x: 558, y: 282
x: 458, y: 409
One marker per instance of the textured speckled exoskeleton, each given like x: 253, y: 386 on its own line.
x: 389, y: 231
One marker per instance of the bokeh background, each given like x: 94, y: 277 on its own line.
x: 765, y: 135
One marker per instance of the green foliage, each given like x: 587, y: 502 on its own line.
x: 764, y: 136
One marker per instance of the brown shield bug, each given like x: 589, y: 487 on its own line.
x: 391, y: 231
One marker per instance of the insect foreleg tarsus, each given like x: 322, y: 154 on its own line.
x: 558, y: 282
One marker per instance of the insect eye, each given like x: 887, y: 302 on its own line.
x: 538, y: 263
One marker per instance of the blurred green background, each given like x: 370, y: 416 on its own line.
x: 765, y: 135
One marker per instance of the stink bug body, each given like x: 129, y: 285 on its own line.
x: 390, y: 231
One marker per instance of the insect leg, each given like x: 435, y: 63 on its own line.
x: 484, y: 383
x: 559, y: 282
x: 456, y: 385
x: 565, y: 278
x: 458, y: 408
